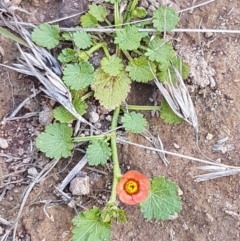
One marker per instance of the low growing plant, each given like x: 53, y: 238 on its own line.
x: 138, y: 56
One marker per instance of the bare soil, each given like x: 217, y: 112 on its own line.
x: 210, y: 210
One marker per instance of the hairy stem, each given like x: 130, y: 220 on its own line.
x: 89, y: 138
x: 128, y: 56
x: 95, y: 48
x: 116, y: 168
x: 84, y: 97
x: 117, y: 22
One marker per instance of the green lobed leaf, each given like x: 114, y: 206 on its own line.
x: 88, y: 226
x: 165, y: 19
x: 78, y: 76
x: 82, y: 39
x: 46, y: 35
x: 128, y: 38
x: 167, y: 114
x: 88, y: 21
x: 182, y: 67
x: 112, y: 65
x: 141, y: 70
x: 110, y: 90
x: 64, y: 116
x: 98, y: 152
x: 162, y: 201
x: 55, y: 141
x: 67, y: 55
x: 134, y: 122
x: 160, y: 51
x: 98, y: 11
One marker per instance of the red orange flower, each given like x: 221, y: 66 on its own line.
x: 133, y: 188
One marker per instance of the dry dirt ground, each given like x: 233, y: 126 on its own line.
x: 210, y: 210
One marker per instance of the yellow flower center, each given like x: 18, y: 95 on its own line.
x: 131, y: 187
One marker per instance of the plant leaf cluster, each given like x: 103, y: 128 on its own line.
x: 139, y: 56
x: 111, y: 81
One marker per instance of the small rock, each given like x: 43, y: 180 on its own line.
x: 93, y: 117
x: 80, y: 186
x: 180, y: 192
x: 176, y: 145
x: 3, y: 143
x: 173, y: 217
x: 20, y: 151
x: 98, y: 125
x: 209, y: 136
x: 31, y: 105
x: 27, y: 160
x: 97, y: 132
x: 46, y: 116
x: 32, y: 171
x: 109, y: 118
x: 209, y: 217
x: 52, y: 102
x: 145, y: 4
x: 208, y: 34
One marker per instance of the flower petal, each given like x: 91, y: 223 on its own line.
x: 144, y: 184
x: 126, y: 198
x: 121, y: 185
x: 140, y: 196
x: 135, y: 175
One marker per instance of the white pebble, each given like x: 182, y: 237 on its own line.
x: 93, y: 117
x: 80, y: 186
x: 176, y: 145
x: 209, y: 136
x: 3, y: 143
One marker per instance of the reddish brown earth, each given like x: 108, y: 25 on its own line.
x: 210, y: 210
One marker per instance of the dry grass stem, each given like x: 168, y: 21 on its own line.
x: 39, y: 177
x: 157, y: 143
x: 64, y: 18
x: 4, y: 221
x: 20, y: 106
x: 196, y: 6
x: 26, y: 116
x: 72, y: 173
x: 226, y: 169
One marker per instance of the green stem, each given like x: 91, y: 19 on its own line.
x: 129, y: 57
x: 95, y: 48
x: 105, y: 49
x: 143, y: 47
x: 117, y: 22
x: 116, y: 167
x: 89, y: 138
x: 108, y: 22
x: 139, y: 107
x: 84, y: 97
